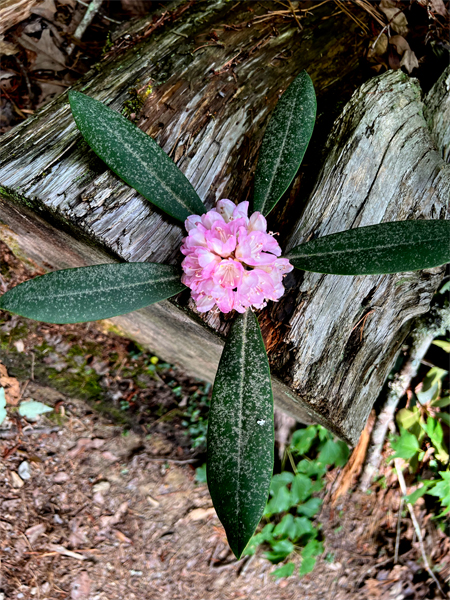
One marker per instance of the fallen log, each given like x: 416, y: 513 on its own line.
x: 204, y: 86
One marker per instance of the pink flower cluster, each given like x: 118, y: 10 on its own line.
x: 231, y: 261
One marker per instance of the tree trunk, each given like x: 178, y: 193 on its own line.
x: 204, y: 85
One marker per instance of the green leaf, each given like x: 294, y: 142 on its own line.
x: 334, y: 453
x: 312, y: 468
x: 92, y: 293
x: 200, y: 474
x: 284, y: 526
x: 442, y: 491
x: 2, y: 405
x: 308, y: 564
x: 312, y: 548
x: 414, y: 496
x: 240, y: 433
x: 444, y: 344
x: 280, y: 502
x: 300, y: 489
x: 265, y: 535
x: 30, y: 409
x: 302, y: 439
x: 406, y: 418
x: 284, y: 571
x: 135, y: 157
x: 280, y: 549
x: 427, y: 395
x: 302, y: 527
x: 445, y: 417
x: 310, y: 507
x: 441, y: 402
x: 284, y: 144
x: 377, y: 249
x: 405, y: 446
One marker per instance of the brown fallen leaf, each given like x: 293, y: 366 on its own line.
x: 396, y: 19
x: 408, y: 58
x: 46, y: 9
x: 48, y: 55
x: 11, y: 386
x: 7, y: 48
x: 200, y: 513
x: 81, y: 587
x: 34, y: 532
x: 435, y: 6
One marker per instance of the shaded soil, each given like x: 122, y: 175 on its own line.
x: 112, y: 508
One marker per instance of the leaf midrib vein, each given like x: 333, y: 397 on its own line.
x: 149, y: 167
x: 269, y: 187
x: 241, y: 397
x: 355, y: 250
x: 106, y: 289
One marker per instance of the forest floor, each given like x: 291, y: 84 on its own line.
x: 99, y: 499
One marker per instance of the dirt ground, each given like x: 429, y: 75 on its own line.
x: 110, y: 507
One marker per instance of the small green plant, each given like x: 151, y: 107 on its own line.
x: 421, y: 438
x: 195, y: 417
x: 289, y: 514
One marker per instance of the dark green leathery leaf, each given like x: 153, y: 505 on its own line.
x: 92, y: 293
x: 284, y: 144
x: 135, y: 157
x: 240, y: 433
x: 377, y: 249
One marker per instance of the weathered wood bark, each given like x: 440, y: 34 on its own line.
x: 62, y: 207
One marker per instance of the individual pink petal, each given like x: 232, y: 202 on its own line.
x: 250, y: 248
x: 257, y: 222
x: 208, y: 262
x: 226, y: 209
x: 241, y: 210
x: 203, y: 302
x: 270, y: 244
x: 192, y: 222
x: 225, y: 301
x: 221, y: 240
x: 228, y: 273
x: 210, y: 218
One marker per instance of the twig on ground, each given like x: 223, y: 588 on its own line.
x: 401, y: 480
x: 89, y: 15
x: 428, y: 327
x: 9, y: 434
x: 295, y: 16
x: 397, y: 539
x: 102, y: 14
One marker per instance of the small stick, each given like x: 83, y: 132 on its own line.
x: 7, y: 434
x: 103, y: 16
x: 397, y: 539
x: 402, y: 483
x: 295, y: 16
x: 89, y: 15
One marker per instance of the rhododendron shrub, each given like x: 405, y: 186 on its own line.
x: 231, y: 263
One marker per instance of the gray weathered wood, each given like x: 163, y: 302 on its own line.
x: 61, y: 207
x: 381, y: 165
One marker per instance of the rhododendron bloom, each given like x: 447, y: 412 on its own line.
x: 231, y: 261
